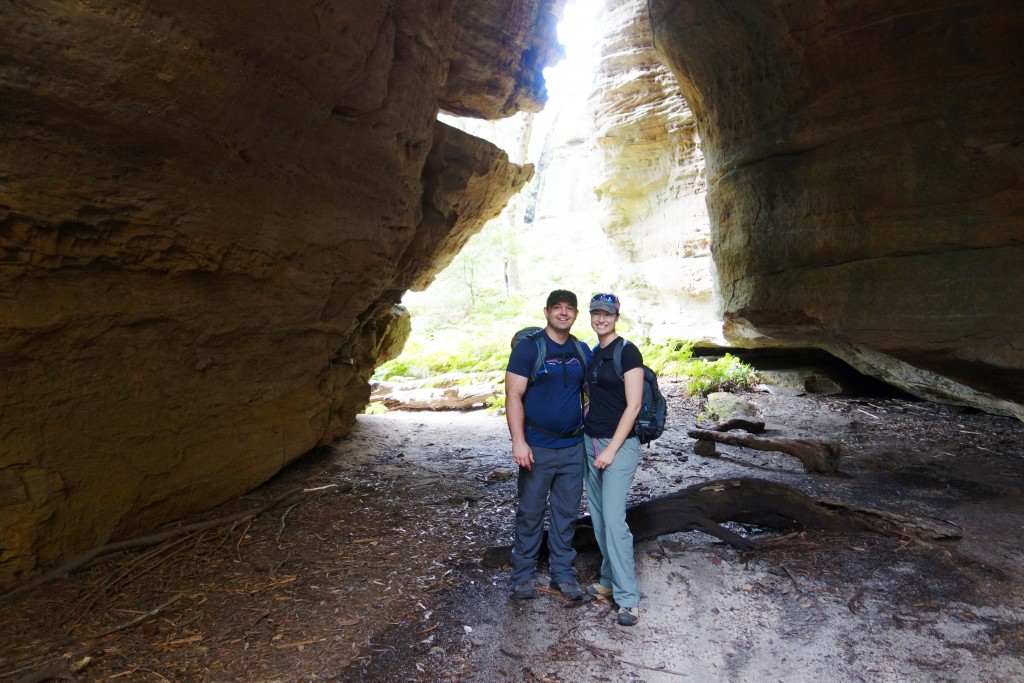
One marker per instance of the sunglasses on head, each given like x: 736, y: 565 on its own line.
x: 606, y: 297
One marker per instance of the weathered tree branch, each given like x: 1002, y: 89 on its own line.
x: 740, y: 423
x: 816, y: 456
x: 758, y: 502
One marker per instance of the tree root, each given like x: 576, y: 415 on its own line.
x: 82, y: 561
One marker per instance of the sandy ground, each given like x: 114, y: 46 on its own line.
x: 809, y: 607
x: 377, y: 574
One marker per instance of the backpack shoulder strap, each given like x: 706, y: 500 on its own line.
x: 617, y: 358
x: 582, y: 350
x: 542, y: 352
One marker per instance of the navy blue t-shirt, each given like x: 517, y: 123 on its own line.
x: 607, y: 391
x: 553, y: 401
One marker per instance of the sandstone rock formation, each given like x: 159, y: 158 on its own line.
x: 865, y: 189
x: 208, y: 212
x: 650, y: 182
x: 497, y: 39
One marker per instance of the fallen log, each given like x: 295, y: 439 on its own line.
x: 816, y: 456
x: 450, y: 398
x: 453, y: 391
x: 740, y: 423
x: 757, y: 502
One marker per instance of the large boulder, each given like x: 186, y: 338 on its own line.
x: 208, y: 211
x: 864, y: 181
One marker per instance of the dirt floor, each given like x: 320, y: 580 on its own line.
x: 372, y: 570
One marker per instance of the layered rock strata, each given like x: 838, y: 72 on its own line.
x: 497, y: 39
x: 650, y: 182
x: 865, y: 189
x: 208, y: 212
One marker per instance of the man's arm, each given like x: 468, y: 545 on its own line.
x: 515, y: 414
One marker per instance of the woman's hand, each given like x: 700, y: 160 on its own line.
x: 605, y: 457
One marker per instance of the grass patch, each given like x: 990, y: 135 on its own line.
x: 459, y: 352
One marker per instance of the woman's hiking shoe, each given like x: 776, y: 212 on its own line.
x: 599, y: 590
x: 569, y: 589
x: 629, y: 615
x: 525, y: 591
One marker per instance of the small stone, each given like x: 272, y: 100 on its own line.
x: 501, y: 473
x: 705, y: 447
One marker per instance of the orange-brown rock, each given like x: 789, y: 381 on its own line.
x: 502, y: 48
x: 864, y: 169
x: 207, y: 213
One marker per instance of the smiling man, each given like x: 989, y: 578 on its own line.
x: 545, y: 420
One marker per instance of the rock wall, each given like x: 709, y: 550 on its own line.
x: 650, y: 183
x: 208, y: 211
x: 865, y: 190
x: 503, y: 46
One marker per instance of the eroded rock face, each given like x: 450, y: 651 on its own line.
x: 865, y: 189
x: 503, y: 46
x: 649, y: 180
x: 207, y: 214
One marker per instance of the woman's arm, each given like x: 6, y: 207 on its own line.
x: 634, y: 381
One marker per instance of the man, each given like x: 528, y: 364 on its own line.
x: 545, y: 421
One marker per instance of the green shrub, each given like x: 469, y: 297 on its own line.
x: 668, y: 358
x: 473, y: 353
x: 700, y: 376
x: 703, y: 376
x: 375, y: 408
x: 485, y: 349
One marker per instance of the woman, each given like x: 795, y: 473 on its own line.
x: 612, y: 454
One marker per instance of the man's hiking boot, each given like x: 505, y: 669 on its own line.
x: 599, y: 590
x: 525, y: 591
x: 569, y: 589
x: 628, y: 616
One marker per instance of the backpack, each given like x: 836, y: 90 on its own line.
x: 537, y: 335
x: 650, y: 422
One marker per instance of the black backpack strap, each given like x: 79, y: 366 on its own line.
x: 582, y: 350
x: 617, y: 358
x: 542, y: 352
x: 554, y: 435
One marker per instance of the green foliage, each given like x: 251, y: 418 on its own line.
x: 670, y: 358
x: 376, y: 408
x: 453, y: 350
x: 465, y: 322
x: 700, y: 376
x: 727, y: 373
x: 481, y: 344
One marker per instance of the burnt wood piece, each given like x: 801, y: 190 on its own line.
x: 739, y: 423
x: 705, y: 506
x: 816, y: 456
x: 744, y: 500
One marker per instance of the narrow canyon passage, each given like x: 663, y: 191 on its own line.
x: 372, y: 569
